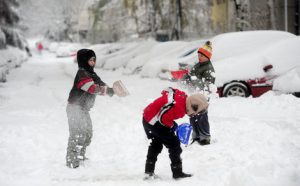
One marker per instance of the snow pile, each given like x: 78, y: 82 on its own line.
x: 293, y: 79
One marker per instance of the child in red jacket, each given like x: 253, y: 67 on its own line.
x: 159, y: 125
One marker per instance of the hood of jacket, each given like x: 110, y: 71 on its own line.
x: 83, y: 57
x: 195, y: 104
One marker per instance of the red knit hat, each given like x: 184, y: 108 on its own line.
x: 206, y: 49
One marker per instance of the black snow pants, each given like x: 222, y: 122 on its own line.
x: 81, y: 132
x: 200, y: 126
x: 161, y: 135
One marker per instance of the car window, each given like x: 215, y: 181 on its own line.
x: 188, y: 52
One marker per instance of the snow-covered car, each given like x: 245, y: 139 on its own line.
x: 66, y: 49
x: 111, y: 56
x: 250, y: 63
x: 187, y: 55
x: 164, y: 57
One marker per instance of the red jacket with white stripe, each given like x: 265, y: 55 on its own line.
x: 167, y: 108
x: 85, y: 88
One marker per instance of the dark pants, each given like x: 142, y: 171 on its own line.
x: 200, y: 126
x: 161, y: 135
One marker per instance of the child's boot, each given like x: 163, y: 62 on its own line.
x: 177, y: 172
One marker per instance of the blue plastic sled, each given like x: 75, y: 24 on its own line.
x: 184, y: 132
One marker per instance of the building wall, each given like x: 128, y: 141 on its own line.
x: 292, y: 8
x: 260, y: 15
x: 220, y: 17
x: 297, y: 17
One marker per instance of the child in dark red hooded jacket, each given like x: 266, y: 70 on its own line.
x: 159, y: 125
x: 87, y: 85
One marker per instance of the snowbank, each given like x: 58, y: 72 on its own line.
x: 293, y: 79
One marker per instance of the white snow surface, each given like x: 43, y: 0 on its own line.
x: 255, y: 140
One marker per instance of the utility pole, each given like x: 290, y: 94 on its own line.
x: 178, y: 24
x: 285, y: 15
x: 237, y: 4
x: 297, y: 21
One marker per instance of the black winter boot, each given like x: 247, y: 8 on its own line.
x: 177, y: 172
x: 149, y: 168
x: 204, y: 142
x: 149, y: 171
x: 74, y: 164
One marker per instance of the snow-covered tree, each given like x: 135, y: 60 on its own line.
x: 57, y: 19
x: 163, y: 20
x: 8, y: 13
x: 271, y: 6
x: 242, y: 15
x: 9, y: 19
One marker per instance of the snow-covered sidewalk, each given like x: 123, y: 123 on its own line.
x: 256, y: 141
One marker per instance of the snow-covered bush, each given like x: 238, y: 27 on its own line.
x: 14, y: 38
x: 11, y: 57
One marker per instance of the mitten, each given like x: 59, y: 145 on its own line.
x: 175, y: 126
x: 110, y: 91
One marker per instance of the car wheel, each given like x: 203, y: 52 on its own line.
x: 236, y: 89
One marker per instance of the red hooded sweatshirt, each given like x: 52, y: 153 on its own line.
x: 167, y: 108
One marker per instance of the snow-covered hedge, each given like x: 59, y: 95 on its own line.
x: 11, y: 57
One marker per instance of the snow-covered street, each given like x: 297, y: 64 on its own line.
x: 256, y: 140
